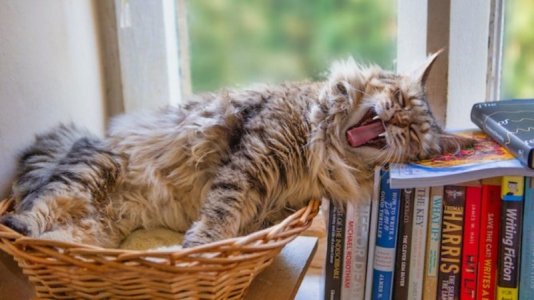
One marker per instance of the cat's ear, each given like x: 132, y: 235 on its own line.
x: 421, y: 74
x: 346, y: 77
x: 452, y: 143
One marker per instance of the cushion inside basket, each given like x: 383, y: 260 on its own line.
x: 156, y: 238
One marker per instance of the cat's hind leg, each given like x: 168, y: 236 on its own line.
x: 65, y: 177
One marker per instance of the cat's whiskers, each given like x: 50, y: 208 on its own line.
x: 404, y: 154
x: 395, y: 156
x: 387, y: 155
x: 400, y: 155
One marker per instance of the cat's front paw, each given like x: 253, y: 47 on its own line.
x: 190, y: 243
x: 16, y: 223
x: 198, y: 235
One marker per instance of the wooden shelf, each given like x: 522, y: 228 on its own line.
x: 282, y: 279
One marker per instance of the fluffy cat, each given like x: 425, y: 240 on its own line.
x: 226, y: 164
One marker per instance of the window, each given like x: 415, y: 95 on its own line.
x: 206, y: 45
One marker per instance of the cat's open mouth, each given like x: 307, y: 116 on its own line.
x: 369, y: 131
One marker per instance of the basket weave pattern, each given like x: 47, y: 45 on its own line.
x: 220, y: 270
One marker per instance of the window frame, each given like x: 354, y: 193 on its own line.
x: 468, y: 71
x: 140, y: 77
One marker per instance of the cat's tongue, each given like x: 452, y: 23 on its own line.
x: 361, y: 135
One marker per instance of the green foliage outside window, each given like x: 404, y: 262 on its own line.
x: 239, y: 42
x: 518, y: 58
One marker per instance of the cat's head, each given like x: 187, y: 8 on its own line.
x: 382, y: 116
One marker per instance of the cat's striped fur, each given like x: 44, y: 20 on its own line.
x: 223, y: 164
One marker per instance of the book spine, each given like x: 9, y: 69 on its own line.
x: 497, y: 129
x: 386, y: 240
x: 526, y: 283
x: 372, y: 235
x: 333, y: 268
x: 402, y: 257
x: 490, y: 211
x: 348, y: 253
x: 355, y: 255
x: 451, y: 243
x: 471, y: 239
x: 510, y: 239
x: 433, y: 243
x: 329, y: 289
x: 417, y: 253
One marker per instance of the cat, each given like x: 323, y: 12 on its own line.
x: 228, y: 163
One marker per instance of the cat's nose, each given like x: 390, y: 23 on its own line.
x: 401, y: 119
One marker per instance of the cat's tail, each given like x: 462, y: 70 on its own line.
x: 57, y: 156
x: 37, y: 163
x: 62, y: 178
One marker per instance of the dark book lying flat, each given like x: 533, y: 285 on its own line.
x: 510, y: 123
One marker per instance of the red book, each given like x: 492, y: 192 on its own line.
x: 490, y: 216
x: 470, y: 258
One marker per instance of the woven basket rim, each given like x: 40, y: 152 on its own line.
x: 208, y: 257
x: 219, y: 270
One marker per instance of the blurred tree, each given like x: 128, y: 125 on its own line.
x: 518, y: 56
x: 238, y: 42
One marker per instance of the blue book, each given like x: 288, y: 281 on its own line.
x: 386, y: 239
x: 526, y: 283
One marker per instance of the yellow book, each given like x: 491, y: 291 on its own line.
x: 504, y: 293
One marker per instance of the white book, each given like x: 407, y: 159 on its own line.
x: 418, y: 247
x: 372, y: 236
x: 355, y: 252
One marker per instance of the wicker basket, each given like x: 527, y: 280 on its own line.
x: 220, y: 270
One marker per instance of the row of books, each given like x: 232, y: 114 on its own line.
x: 463, y: 241
x: 437, y: 236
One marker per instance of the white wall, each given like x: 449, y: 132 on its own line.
x: 50, y: 72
